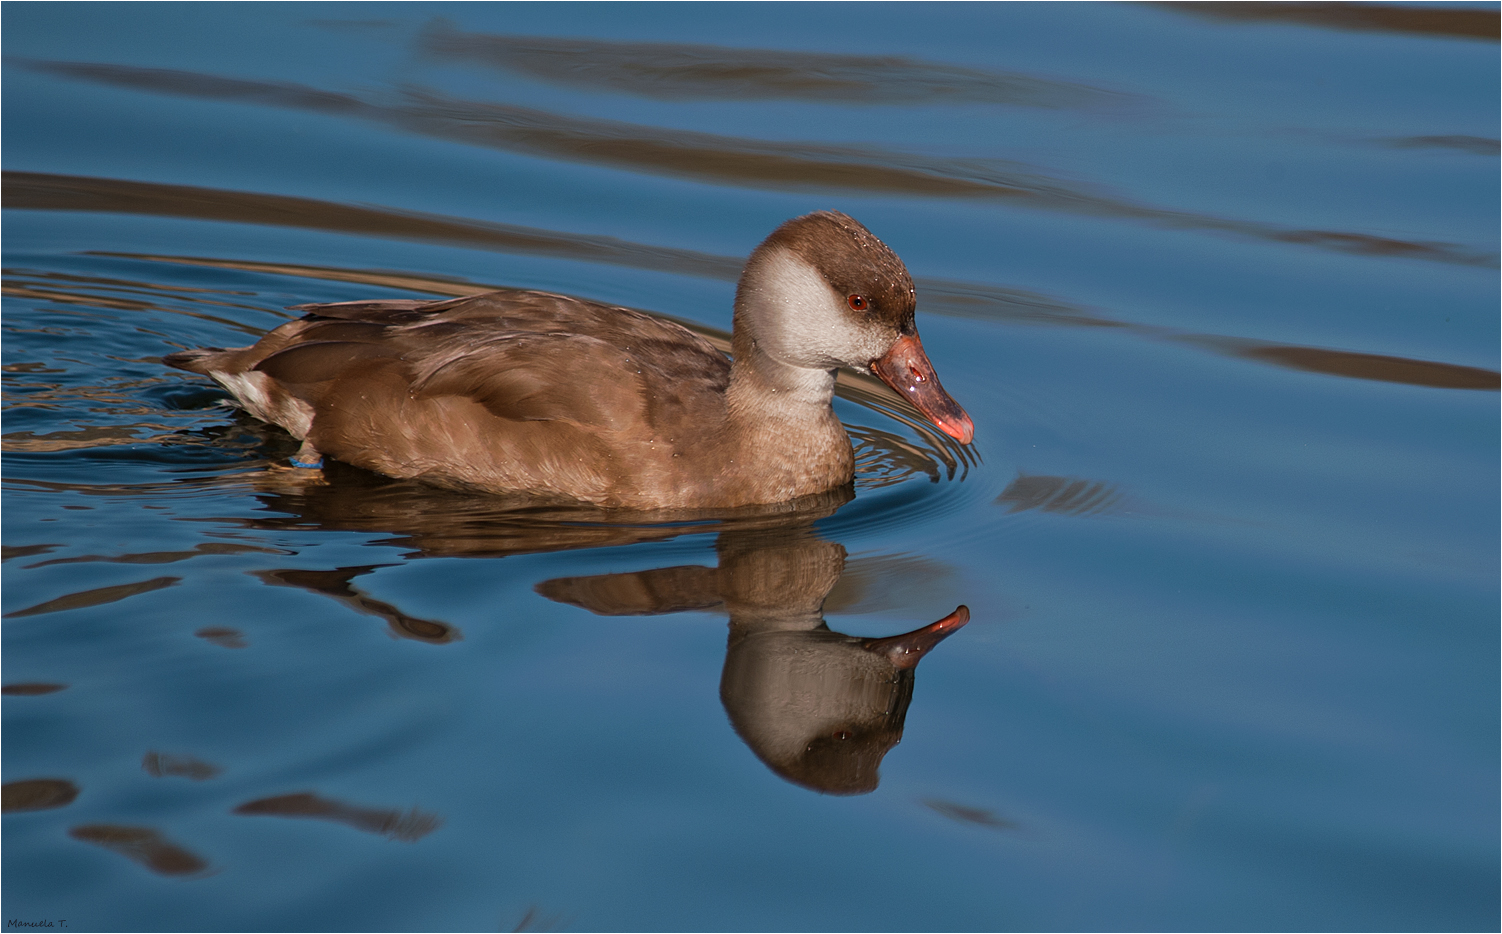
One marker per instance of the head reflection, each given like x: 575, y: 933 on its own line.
x: 819, y: 707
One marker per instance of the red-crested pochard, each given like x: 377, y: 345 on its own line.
x: 570, y: 399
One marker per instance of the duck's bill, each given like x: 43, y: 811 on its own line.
x: 906, y: 369
x: 906, y: 650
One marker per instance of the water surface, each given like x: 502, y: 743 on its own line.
x: 1217, y: 283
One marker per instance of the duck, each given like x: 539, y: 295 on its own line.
x: 569, y: 400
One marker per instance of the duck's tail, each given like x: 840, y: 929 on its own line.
x: 194, y: 361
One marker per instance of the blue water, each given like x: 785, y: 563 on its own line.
x: 1218, y: 287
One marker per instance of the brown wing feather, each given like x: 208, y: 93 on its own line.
x: 544, y: 377
x: 385, y: 312
x: 507, y: 390
x: 320, y: 361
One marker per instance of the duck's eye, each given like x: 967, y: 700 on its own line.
x: 858, y: 302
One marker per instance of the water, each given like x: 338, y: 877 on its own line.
x: 1218, y: 287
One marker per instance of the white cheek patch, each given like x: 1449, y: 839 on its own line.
x: 807, y: 324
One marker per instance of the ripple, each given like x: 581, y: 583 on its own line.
x: 1070, y: 496
x: 941, y: 296
x: 733, y: 160
x: 689, y: 71
x: 31, y: 688
x: 143, y: 845
x: 407, y: 827
x: 1426, y: 20
x: 37, y: 794
x: 96, y: 597
x: 160, y: 764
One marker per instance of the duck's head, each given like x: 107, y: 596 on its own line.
x: 823, y: 292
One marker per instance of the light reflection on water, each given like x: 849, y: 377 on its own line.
x: 1226, y: 536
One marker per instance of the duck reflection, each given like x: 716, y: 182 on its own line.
x: 428, y: 522
x: 818, y: 707
x: 336, y: 584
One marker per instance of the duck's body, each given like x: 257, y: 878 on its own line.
x: 570, y: 399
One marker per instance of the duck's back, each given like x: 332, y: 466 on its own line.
x: 505, y: 391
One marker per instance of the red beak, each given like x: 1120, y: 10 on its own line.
x: 906, y: 650
x: 906, y: 369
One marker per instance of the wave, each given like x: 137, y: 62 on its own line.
x: 732, y: 160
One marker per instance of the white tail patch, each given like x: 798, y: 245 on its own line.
x: 259, y: 396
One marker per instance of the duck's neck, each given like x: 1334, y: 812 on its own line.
x: 784, y: 434
x: 783, y: 437
x: 763, y: 388
x: 777, y: 374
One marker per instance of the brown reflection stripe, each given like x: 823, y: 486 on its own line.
x: 143, y: 845
x: 1424, y: 20
x: 407, y: 827
x: 675, y: 70
x: 37, y: 794
x: 41, y: 191
x: 31, y: 689
x: 96, y: 597
x: 1377, y: 367
x: 731, y: 160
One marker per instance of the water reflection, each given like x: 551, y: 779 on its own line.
x: 120, y: 294
x: 1068, y: 496
x: 732, y: 160
x: 533, y: 920
x: 8, y: 552
x: 1379, y: 367
x: 1476, y: 145
x: 167, y: 557
x: 336, y: 584
x: 940, y: 296
x: 96, y: 597
x: 1425, y: 20
x: 31, y: 688
x: 222, y: 636
x: 85, y: 438
x: 142, y: 845
x: 394, y: 824
x: 684, y: 71
x: 37, y: 794
x: 39, y: 191
x: 160, y: 764
x: 969, y: 815
x: 1346, y: 746
x: 818, y: 707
